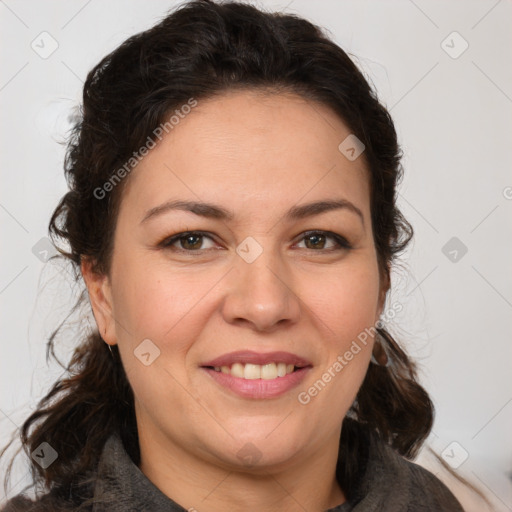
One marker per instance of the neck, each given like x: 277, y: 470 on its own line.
x: 197, y: 484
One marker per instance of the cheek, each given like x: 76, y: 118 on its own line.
x: 347, y: 301
x: 154, y: 300
x: 346, y: 307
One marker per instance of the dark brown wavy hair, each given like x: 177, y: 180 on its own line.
x: 200, y: 50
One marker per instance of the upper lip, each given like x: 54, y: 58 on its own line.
x: 248, y: 356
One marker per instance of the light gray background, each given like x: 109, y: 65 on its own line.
x: 454, y: 118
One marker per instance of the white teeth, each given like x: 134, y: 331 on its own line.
x: 237, y: 370
x: 252, y: 371
x: 255, y: 371
x: 269, y: 371
x: 281, y: 369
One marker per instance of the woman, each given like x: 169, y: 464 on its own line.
x: 232, y: 213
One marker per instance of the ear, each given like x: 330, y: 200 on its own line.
x: 100, y: 296
x: 385, y: 283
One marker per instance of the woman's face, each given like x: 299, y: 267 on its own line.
x: 252, y: 283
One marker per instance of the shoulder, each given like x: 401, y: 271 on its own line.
x: 23, y: 504
x: 46, y: 503
x: 76, y: 496
x: 427, y: 488
x: 390, y: 482
x: 419, y: 489
x: 17, y: 504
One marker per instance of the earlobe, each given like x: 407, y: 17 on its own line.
x: 100, y: 296
x: 382, y: 302
x: 384, y: 288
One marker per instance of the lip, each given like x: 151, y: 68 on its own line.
x: 259, y: 388
x: 249, y: 356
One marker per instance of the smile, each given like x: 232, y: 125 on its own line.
x: 251, y: 371
x: 257, y: 375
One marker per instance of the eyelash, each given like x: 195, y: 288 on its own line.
x: 342, y: 243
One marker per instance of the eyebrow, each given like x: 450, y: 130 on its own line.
x: 214, y: 211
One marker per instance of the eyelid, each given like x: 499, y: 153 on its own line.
x: 341, y: 241
x: 167, y: 242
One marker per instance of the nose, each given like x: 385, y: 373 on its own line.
x: 261, y: 294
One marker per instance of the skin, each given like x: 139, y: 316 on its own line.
x: 256, y: 154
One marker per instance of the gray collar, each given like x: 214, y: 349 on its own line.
x: 390, y: 483
x: 122, y: 487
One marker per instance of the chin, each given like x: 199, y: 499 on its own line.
x: 263, y: 445
x: 251, y: 458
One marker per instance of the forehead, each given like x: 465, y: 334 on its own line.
x: 257, y: 152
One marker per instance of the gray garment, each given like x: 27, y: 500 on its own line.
x: 137, y: 491
x: 390, y: 484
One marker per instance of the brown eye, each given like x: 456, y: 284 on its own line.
x: 318, y: 240
x: 191, y: 241
x: 188, y: 242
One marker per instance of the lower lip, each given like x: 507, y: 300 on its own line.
x: 259, y: 388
